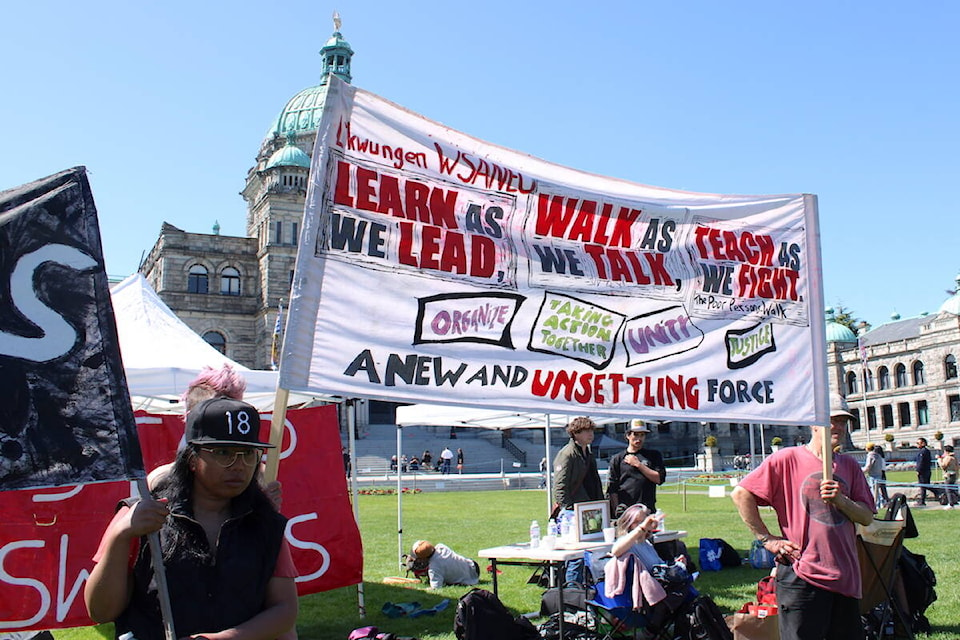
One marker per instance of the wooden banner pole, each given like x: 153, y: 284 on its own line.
x: 827, y: 453
x: 276, y: 434
x: 159, y: 573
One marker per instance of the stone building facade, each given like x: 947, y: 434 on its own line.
x: 212, y: 284
x: 904, y: 382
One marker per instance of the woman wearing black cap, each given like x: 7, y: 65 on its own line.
x: 228, y: 566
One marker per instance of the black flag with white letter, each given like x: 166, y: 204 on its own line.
x: 65, y: 414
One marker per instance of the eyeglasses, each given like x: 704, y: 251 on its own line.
x: 226, y: 457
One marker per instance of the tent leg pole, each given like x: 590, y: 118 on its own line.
x: 399, y: 497
x: 354, y: 494
x: 547, y: 472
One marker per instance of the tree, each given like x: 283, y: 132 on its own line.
x: 843, y: 315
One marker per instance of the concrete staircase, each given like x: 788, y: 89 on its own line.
x: 481, y: 448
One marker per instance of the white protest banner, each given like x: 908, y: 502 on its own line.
x: 66, y: 415
x: 435, y: 267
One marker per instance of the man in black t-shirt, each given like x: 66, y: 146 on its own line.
x: 635, y: 473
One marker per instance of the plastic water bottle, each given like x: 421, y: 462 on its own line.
x: 659, y: 515
x: 534, y: 534
x: 553, y: 529
x: 565, y: 525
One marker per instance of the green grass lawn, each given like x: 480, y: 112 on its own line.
x: 469, y: 521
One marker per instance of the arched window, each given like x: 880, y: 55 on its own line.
x: 230, y: 282
x: 900, y: 373
x: 918, y: 374
x: 851, y: 382
x: 950, y: 367
x: 198, y: 281
x: 883, y: 377
x: 867, y: 380
x: 216, y: 340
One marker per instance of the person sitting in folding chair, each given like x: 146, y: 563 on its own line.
x: 639, y: 590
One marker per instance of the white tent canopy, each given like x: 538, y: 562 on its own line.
x: 449, y: 416
x: 161, y: 354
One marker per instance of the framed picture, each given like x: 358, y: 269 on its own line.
x: 590, y: 518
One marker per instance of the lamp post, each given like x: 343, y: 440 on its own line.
x: 862, y: 352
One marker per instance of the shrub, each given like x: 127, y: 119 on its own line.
x: 776, y: 441
x: 938, y: 435
x: 711, y: 441
x: 888, y: 437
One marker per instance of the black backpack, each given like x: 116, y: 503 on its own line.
x: 918, y: 582
x: 481, y: 616
x: 700, y: 619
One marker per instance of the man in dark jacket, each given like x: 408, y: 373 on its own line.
x: 635, y: 473
x: 924, y: 465
x: 576, y: 478
x: 575, y: 468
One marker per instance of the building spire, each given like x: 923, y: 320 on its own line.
x: 337, y: 54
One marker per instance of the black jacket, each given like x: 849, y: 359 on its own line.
x: 209, y: 590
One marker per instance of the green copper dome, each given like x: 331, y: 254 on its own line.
x: 952, y: 304
x: 302, y: 112
x: 837, y: 332
x: 289, y: 155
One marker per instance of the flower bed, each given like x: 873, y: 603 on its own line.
x: 707, y: 478
x: 376, y: 491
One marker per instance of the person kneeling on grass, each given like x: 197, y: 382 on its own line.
x: 445, y: 566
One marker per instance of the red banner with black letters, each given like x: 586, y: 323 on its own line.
x: 49, y: 536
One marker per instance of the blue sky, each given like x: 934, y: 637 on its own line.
x: 856, y: 102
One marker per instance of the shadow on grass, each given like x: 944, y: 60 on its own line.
x: 345, y: 603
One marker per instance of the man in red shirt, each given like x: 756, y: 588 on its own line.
x: 818, y: 572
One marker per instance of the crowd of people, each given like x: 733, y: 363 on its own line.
x: 425, y: 462
x: 875, y: 469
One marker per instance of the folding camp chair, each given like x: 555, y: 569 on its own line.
x: 879, y: 546
x: 615, y: 617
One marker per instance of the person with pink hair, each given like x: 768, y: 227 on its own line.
x: 211, y: 383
